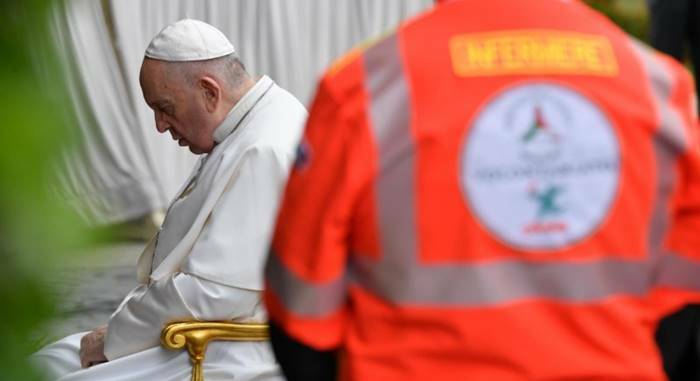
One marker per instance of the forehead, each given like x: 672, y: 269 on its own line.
x: 152, y: 72
x: 155, y: 84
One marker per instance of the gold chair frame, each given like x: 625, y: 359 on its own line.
x: 196, y: 335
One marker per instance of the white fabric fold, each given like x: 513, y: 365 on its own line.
x: 225, y: 361
x: 178, y: 297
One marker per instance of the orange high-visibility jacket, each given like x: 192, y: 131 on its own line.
x: 498, y: 190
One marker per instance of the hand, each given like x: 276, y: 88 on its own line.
x: 92, y: 347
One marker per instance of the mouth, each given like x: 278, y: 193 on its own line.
x: 182, y: 142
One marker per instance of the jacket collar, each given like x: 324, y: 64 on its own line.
x: 241, y: 109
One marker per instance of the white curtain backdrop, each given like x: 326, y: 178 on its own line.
x: 123, y: 168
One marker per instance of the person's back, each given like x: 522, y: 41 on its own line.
x: 512, y: 189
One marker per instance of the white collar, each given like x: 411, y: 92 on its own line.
x: 242, y: 108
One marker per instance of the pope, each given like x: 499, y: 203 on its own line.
x: 206, y: 261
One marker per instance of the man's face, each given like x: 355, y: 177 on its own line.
x: 178, y: 107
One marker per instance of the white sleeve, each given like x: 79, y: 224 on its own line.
x: 136, y: 325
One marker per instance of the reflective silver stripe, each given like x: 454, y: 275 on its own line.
x: 389, y: 112
x: 670, y: 142
x: 671, y: 133
x: 503, y: 281
x: 665, y: 176
x: 678, y: 271
x: 300, y: 296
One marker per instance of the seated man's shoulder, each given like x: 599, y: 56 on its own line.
x: 282, y: 106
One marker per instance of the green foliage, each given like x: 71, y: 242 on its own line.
x: 34, y: 230
x: 630, y: 15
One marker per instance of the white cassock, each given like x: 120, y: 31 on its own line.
x: 206, y: 263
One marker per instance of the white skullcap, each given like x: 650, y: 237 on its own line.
x: 189, y: 40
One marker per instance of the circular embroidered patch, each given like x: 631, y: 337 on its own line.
x: 540, y: 166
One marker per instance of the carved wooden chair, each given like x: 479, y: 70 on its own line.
x: 196, y: 335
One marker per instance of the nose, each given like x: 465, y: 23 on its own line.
x: 161, y: 124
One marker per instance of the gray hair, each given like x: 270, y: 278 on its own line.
x: 229, y: 70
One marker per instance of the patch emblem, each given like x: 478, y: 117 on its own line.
x: 303, y: 155
x: 540, y: 166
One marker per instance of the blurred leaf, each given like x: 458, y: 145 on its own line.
x: 35, y: 230
x: 630, y: 15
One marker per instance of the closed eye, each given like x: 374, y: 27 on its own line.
x: 168, y: 110
x: 165, y: 108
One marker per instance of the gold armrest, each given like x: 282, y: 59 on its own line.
x: 196, y: 335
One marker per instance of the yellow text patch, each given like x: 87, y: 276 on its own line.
x: 532, y: 52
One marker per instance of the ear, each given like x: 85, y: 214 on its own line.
x: 211, y: 91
